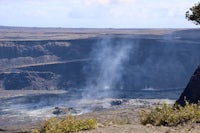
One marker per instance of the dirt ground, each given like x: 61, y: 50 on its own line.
x: 128, y: 121
x: 119, y: 121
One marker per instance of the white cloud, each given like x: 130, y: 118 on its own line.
x: 106, y: 2
x: 95, y: 13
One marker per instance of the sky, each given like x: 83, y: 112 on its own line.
x: 96, y: 13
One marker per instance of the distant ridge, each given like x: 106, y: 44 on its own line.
x: 79, y: 28
x: 13, y: 33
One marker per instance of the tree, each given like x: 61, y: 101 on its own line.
x: 194, y: 14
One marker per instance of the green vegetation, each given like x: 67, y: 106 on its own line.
x: 35, y: 131
x: 171, y: 116
x: 67, y: 124
x: 194, y: 14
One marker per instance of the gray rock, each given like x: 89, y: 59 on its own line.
x: 192, y: 91
x: 64, y: 111
x: 60, y: 111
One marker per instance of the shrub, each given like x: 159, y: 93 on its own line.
x: 171, y: 116
x: 67, y: 124
x: 35, y: 131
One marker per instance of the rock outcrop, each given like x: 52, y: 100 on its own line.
x: 31, y: 80
x: 71, y: 58
x: 64, y: 111
x: 192, y: 91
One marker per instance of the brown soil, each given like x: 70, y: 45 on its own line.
x: 119, y: 121
x: 109, y: 122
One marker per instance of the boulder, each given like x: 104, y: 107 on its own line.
x: 65, y: 110
x: 192, y: 91
x: 60, y: 111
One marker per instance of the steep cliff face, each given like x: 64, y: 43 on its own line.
x: 42, y: 64
x: 157, y: 61
x: 29, y: 80
x: 192, y: 91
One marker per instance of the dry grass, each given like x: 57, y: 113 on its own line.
x: 67, y: 124
x: 171, y: 115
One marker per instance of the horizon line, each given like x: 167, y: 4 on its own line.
x: 38, y: 27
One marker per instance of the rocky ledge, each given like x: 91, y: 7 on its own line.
x: 192, y: 91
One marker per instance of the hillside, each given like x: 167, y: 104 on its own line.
x: 36, y: 58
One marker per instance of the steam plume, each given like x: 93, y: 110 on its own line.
x: 105, y: 73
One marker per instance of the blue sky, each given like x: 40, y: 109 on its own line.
x: 96, y: 13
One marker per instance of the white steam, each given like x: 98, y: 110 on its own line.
x: 105, y: 73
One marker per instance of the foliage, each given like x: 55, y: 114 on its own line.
x: 35, y: 131
x: 194, y: 14
x: 67, y: 124
x: 171, y: 116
